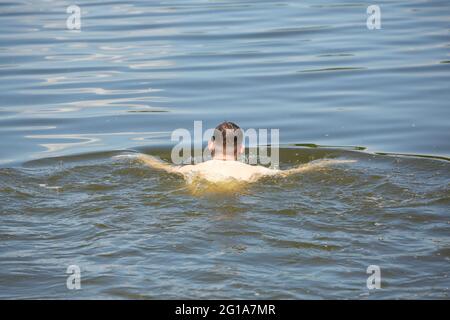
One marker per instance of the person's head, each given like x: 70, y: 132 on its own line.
x: 226, y: 142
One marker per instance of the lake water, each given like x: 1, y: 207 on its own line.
x: 72, y: 102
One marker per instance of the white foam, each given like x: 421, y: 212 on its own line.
x: 44, y: 185
x: 127, y: 156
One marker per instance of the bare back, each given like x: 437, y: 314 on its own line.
x: 221, y: 170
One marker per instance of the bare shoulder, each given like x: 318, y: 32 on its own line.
x: 218, y: 170
x: 186, y: 168
x: 249, y: 172
x: 265, y: 170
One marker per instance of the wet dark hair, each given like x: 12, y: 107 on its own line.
x: 229, y: 133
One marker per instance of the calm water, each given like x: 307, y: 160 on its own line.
x: 73, y: 102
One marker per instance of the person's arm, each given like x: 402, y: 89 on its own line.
x: 158, y: 164
x: 312, y: 166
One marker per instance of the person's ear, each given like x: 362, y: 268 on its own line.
x: 210, y: 145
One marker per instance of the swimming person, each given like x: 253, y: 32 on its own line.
x: 226, y: 145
